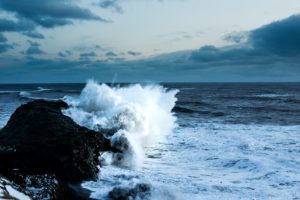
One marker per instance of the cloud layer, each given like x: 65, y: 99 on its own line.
x: 268, y: 53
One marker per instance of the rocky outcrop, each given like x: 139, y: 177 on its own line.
x: 38, y: 140
x: 139, y: 191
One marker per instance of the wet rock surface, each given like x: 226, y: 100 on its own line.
x: 42, y: 148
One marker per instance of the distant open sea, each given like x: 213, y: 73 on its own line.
x: 230, y: 141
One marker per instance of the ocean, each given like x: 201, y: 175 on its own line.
x: 186, y: 140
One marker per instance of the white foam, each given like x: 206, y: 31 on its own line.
x: 273, y: 95
x: 8, y: 91
x: 28, y: 95
x: 41, y: 89
x: 142, y: 114
x: 16, y: 194
x: 24, y: 94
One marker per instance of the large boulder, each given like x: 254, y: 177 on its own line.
x: 39, y: 139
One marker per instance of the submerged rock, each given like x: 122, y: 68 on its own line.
x: 38, y: 140
x: 139, y: 191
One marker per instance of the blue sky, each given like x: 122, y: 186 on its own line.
x: 149, y: 40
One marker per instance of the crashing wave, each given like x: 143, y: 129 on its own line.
x: 141, y: 115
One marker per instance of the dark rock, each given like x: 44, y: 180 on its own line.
x: 108, y: 132
x: 39, y: 139
x: 140, y: 190
x: 39, y: 187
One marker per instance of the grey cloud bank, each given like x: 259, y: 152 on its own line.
x: 272, y: 50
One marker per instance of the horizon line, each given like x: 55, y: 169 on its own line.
x: 151, y: 82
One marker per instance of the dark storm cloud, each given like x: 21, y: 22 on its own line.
x: 30, y: 14
x: 111, y: 4
x: 49, y: 14
x: 281, y: 37
x: 23, y: 26
x: 20, y: 25
x: 208, y: 55
x: 134, y: 53
x: 276, y: 42
x: 33, y: 49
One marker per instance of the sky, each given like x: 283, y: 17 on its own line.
x: 57, y: 41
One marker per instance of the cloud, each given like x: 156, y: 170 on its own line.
x: 49, y: 14
x: 134, y: 53
x: 34, y: 35
x: 89, y: 54
x: 23, y: 26
x: 111, y: 54
x: 64, y: 54
x: 68, y: 52
x: 2, y: 38
x: 111, y: 4
x: 276, y: 42
x: 280, y: 37
x: 29, y: 14
x: 20, y: 25
x: 5, y: 47
x: 268, y: 54
x: 33, y: 49
x: 236, y: 37
x: 61, y: 54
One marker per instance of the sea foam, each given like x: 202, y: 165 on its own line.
x: 141, y: 116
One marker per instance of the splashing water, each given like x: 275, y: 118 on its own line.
x: 141, y: 116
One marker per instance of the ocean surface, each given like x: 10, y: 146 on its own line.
x: 186, y: 140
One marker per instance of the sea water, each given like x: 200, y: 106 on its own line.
x: 186, y: 141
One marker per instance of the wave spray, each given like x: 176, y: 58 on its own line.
x: 139, y: 115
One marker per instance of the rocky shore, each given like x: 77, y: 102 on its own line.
x: 46, y: 155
